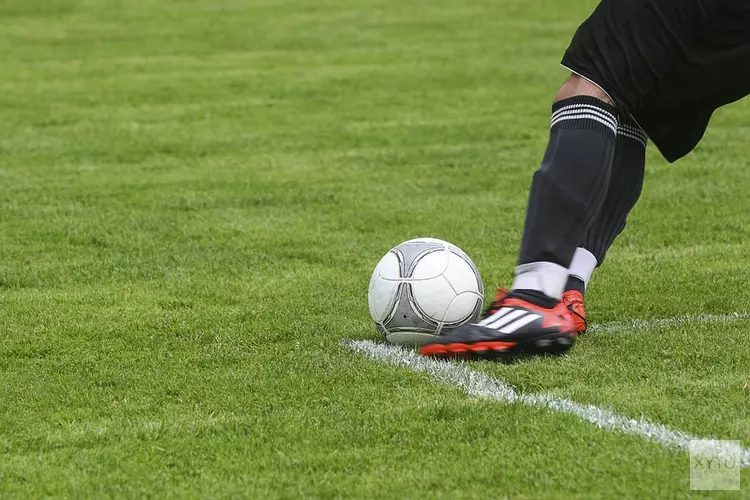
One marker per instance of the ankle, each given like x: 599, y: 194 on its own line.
x: 535, y: 297
x: 547, y: 278
x: 575, y: 283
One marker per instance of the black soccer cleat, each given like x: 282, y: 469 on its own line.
x: 511, y: 327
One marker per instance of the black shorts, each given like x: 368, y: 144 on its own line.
x: 668, y: 63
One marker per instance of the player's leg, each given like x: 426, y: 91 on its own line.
x: 675, y: 111
x: 627, y: 47
x: 626, y: 182
x: 567, y: 193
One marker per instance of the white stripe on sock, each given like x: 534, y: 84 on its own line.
x: 585, y: 106
x: 630, y: 135
x: 637, y: 137
x: 600, y: 114
x: 563, y: 116
x: 611, y: 126
x: 635, y: 130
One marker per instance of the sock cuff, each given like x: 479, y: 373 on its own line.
x: 584, y: 113
x: 629, y: 130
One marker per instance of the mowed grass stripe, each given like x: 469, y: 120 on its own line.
x: 195, y: 194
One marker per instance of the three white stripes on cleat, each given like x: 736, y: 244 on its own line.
x: 506, y: 321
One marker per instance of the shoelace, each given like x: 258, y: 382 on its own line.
x: 502, y: 294
x: 571, y: 307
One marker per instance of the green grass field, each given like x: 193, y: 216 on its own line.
x: 194, y: 194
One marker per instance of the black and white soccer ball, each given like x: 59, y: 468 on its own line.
x: 423, y: 288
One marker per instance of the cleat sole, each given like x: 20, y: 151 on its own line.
x: 552, y: 344
x: 480, y: 350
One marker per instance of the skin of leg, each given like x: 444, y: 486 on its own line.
x: 576, y: 86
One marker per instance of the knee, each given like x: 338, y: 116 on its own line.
x: 577, y: 86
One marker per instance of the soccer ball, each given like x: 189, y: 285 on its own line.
x: 423, y: 288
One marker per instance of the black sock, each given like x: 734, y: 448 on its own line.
x: 569, y: 188
x: 624, y: 190
x: 575, y: 283
x: 535, y: 297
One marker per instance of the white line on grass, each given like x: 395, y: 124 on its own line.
x: 644, y: 324
x: 483, y: 386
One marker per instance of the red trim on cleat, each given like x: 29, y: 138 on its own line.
x: 456, y: 347
x: 573, y: 299
x: 432, y: 350
x: 495, y: 346
x: 464, y: 350
x: 515, y: 328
